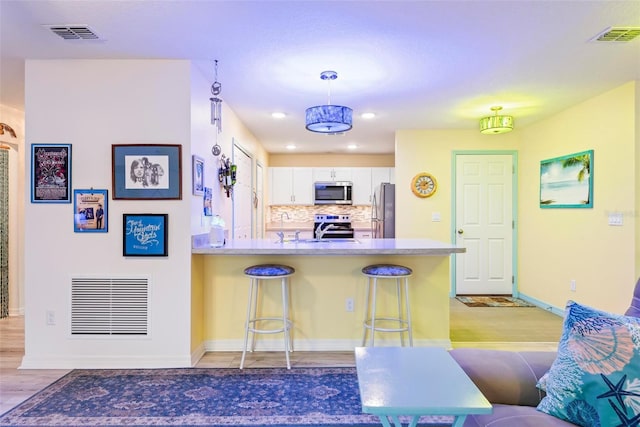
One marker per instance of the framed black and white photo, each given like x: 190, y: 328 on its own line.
x: 197, y: 170
x: 50, y: 173
x: 146, y: 171
x: 90, y: 211
x: 145, y: 234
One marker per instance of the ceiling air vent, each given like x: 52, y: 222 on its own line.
x: 74, y: 32
x: 618, y: 34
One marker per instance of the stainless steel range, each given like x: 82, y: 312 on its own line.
x: 327, y: 226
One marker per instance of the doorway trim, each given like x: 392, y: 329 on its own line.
x: 514, y: 211
x: 235, y: 145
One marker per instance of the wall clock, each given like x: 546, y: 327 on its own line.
x: 424, y: 185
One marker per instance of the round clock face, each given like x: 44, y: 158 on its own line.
x: 424, y: 185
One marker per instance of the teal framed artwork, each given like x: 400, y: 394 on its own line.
x: 567, y: 181
x: 145, y: 234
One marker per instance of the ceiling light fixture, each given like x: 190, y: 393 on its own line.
x: 329, y: 119
x: 278, y: 115
x: 496, y: 124
x: 368, y: 116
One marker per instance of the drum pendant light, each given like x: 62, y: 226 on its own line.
x: 329, y: 119
x: 496, y: 124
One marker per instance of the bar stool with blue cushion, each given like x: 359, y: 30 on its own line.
x: 260, y: 274
x: 374, y: 322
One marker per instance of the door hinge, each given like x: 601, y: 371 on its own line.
x: 513, y: 280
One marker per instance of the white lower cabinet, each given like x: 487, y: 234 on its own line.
x: 290, y: 235
x: 361, y: 234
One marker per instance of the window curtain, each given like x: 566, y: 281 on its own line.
x: 4, y: 233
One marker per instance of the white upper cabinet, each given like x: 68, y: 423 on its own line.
x: 290, y: 186
x: 365, y: 182
x: 361, y: 192
x: 294, y: 186
x: 332, y: 174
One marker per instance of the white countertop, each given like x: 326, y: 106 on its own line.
x: 201, y: 245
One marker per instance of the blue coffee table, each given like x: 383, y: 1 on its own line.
x: 415, y: 381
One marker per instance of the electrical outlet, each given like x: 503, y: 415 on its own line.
x: 51, y: 317
x: 572, y: 286
x: 348, y: 304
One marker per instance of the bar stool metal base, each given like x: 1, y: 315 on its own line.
x: 373, y: 323
x: 258, y: 275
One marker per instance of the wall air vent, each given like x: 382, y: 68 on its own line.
x: 74, y: 32
x: 108, y: 306
x: 618, y: 34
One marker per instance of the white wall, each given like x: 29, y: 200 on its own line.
x: 92, y: 105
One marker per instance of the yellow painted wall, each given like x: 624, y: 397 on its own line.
x: 430, y: 151
x: 318, y: 292
x: 557, y: 245
x: 331, y: 160
x: 554, y: 245
x: 636, y: 212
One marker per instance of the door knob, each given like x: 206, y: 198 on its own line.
x: 460, y: 231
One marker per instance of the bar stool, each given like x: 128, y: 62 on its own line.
x: 403, y: 320
x: 259, y: 274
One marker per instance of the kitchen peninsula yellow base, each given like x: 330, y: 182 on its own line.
x: 319, y: 289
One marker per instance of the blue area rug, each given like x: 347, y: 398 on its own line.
x: 201, y: 397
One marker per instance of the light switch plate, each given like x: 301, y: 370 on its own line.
x: 615, y: 218
x: 435, y: 216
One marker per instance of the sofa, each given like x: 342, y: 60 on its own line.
x: 508, y: 380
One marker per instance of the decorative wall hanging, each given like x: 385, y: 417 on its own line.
x: 197, y: 172
x: 145, y: 235
x: 227, y: 174
x: 146, y: 171
x: 567, y: 181
x: 216, y: 110
x: 50, y: 173
x: 90, y: 211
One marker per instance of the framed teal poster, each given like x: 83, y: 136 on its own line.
x: 567, y: 181
x: 145, y: 235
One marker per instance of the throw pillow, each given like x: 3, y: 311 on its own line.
x: 595, y: 379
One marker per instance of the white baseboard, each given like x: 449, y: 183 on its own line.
x: 116, y: 362
x: 316, y: 345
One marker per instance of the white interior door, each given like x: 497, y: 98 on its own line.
x: 242, y: 194
x: 484, y: 223
x: 258, y: 202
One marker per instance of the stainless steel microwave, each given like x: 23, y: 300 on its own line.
x: 332, y: 193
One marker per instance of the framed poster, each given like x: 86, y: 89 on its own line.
x: 146, y: 171
x: 90, y: 211
x: 50, y: 173
x: 207, y: 200
x: 197, y: 170
x: 567, y: 181
x: 145, y: 234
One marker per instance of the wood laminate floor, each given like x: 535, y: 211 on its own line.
x: 511, y: 328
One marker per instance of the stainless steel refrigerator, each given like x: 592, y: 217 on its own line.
x: 383, y: 211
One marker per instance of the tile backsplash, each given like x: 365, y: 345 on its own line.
x: 306, y: 213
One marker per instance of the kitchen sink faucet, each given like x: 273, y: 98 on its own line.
x: 280, y: 234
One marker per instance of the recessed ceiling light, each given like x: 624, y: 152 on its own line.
x: 290, y: 147
x: 368, y: 115
x: 278, y: 115
x: 352, y: 146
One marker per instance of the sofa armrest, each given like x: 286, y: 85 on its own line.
x: 506, y: 377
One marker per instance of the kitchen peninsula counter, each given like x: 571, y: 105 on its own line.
x: 357, y: 247
x: 328, y: 276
